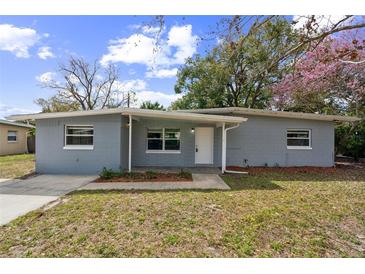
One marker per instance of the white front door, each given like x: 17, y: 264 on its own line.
x: 204, y: 145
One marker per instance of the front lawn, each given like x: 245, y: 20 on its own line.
x: 267, y: 214
x: 13, y: 166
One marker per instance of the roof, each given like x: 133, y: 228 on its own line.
x: 10, y: 123
x: 135, y: 112
x: 273, y: 113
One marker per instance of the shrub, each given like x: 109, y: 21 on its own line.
x: 109, y: 173
x: 106, y: 173
x: 184, y: 174
x: 151, y: 174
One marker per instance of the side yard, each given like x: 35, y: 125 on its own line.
x: 13, y: 166
x: 274, y: 213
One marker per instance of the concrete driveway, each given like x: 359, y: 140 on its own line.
x: 18, y: 197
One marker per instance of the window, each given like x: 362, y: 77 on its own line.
x: 298, y: 139
x: 155, y: 139
x: 12, y: 136
x: 79, y: 137
x: 163, y: 140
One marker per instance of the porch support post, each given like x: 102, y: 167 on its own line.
x: 224, y: 146
x: 130, y: 145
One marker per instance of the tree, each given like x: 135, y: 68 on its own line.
x: 84, y: 87
x: 55, y: 104
x: 237, y: 72
x: 254, y: 53
x: 150, y: 105
x: 328, y: 79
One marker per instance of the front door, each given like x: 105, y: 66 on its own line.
x: 204, y: 145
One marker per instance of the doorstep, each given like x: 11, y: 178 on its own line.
x: 200, y: 181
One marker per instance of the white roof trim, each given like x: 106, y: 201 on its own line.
x: 272, y: 113
x: 135, y: 112
x: 10, y: 123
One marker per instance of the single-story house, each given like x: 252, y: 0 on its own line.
x: 13, y: 137
x: 83, y: 142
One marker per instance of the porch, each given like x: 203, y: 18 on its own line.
x: 169, y: 141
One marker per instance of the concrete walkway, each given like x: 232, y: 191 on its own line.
x: 18, y: 197
x: 200, y: 181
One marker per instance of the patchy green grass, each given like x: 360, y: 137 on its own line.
x: 270, y: 214
x: 13, y: 166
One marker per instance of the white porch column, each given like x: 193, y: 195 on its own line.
x: 224, y: 146
x: 130, y: 145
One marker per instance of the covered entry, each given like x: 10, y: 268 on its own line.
x: 177, y: 139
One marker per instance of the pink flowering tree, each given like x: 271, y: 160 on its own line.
x: 330, y: 78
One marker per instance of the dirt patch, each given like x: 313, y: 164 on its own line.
x: 146, y: 177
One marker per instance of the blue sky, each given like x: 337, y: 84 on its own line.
x: 31, y: 47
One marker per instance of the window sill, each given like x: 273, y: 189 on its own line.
x: 78, y: 147
x: 299, y: 148
x: 12, y: 142
x: 164, y: 151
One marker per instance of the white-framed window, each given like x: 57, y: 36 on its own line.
x: 299, y: 139
x: 163, y: 140
x: 79, y: 137
x: 12, y: 136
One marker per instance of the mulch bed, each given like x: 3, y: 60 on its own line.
x: 142, y: 177
x: 304, y: 169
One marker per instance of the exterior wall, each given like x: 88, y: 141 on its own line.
x: 20, y: 146
x: 51, y: 157
x: 187, y: 144
x: 262, y: 141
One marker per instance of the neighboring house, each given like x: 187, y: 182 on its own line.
x: 13, y: 137
x: 84, y: 142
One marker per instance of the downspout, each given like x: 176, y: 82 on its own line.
x: 130, y: 144
x: 224, y: 170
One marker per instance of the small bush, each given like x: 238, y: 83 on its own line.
x: 133, y: 175
x: 109, y: 173
x: 184, y: 174
x: 106, y: 173
x: 151, y: 174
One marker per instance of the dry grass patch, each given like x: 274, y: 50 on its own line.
x: 14, y: 166
x: 265, y: 215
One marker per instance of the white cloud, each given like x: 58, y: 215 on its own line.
x: 153, y: 96
x: 141, y: 48
x: 151, y: 29
x: 143, y: 93
x: 137, y: 48
x: 146, y: 29
x: 45, y: 77
x: 183, y: 39
x: 162, y: 73
x: 130, y: 85
x: 323, y: 21
x: 45, y: 53
x: 6, y: 110
x: 17, y: 40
